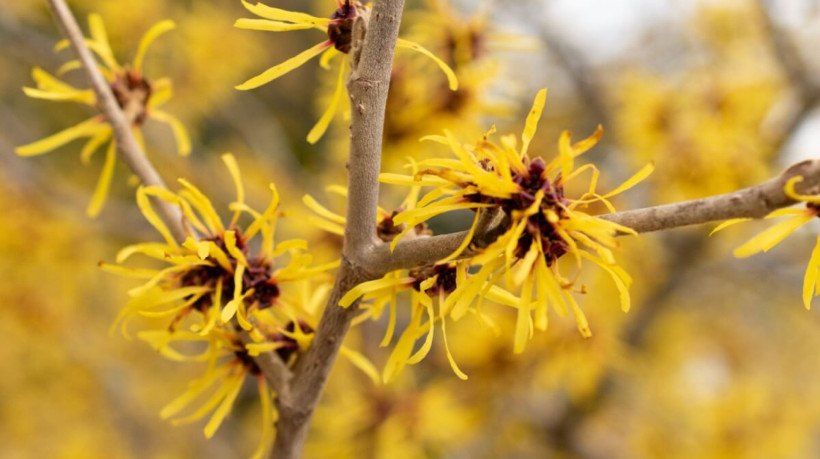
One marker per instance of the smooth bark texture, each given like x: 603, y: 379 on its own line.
x: 374, y: 44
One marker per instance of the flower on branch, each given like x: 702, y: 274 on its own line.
x: 138, y: 96
x: 541, y: 224
x: 339, y: 30
x: 216, y: 288
x: 780, y: 230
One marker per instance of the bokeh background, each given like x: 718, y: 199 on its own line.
x: 717, y: 358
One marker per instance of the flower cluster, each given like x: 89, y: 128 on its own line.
x: 537, y: 224
x: 219, y: 293
x: 138, y: 96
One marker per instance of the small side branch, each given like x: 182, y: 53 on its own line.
x: 753, y: 202
x: 127, y: 146
x: 274, y: 369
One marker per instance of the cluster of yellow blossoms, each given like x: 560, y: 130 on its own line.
x: 538, y: 225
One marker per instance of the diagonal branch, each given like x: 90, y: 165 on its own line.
x: 274, y: 369
x: 127, y: 147
x: 752, y: 202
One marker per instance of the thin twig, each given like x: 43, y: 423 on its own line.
x: 753, y: 202
x: 127, y: 146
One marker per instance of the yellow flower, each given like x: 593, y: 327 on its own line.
x: 339, y: 29
x: 779, y: 231
x: 542, y: 224
x: 385, y: 291
x: 137, y: 95
x: 222, y: 382
x: 213, y: 272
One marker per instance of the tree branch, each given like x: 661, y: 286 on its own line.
x: 371, y: 59
x: 127, y: 146
x: 753, y: 202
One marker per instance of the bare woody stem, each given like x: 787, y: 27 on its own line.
x: 753, y: 202
x: 127, y: 146
x: 374, y: 43
x: 275, y: 371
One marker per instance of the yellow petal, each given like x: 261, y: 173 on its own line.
x: 224, y: 408
x: 87, y: 128
x: 728, y: 223
x: 276, y: 14
x: 69, y: 66
x: 361, y: 362
x: 323, y: 211
x: 231, y: 307
x: 371, y: 286
x: 155, y: 31
x: 94, y: 143
x: 790, y: 191
x: 772, y: 235
x: 278, y: 70
x: 202, y: 204
x: 452, y: 81
x: 104, y: 183
x: 428, y: 341
x: 321, y: 126
x: 523, y: 323
x: 532, y: 120
x: 327, y: 56
x: 461, y: 375
x: 195, y: 388
x: 85, y: 96
x: 230, y: 244
x: 47, y: 82
x: 267, y: 420
x: 233, y: 169
x: 161, y: 93
x: 100, y: 37
x: 466, y: 241
x: 810, y: 278
x: 400, y: 179
x: 634, y: 180
x: 148, y: 211
x: 269, y: 26
x: 180, y: 133
x: 580, y: 317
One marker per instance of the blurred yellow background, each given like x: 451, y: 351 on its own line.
x: 717, y: 358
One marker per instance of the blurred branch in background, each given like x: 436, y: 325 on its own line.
x: 684, y: 253
x: 805, y: 89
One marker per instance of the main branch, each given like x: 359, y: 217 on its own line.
x: 374, y: 43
